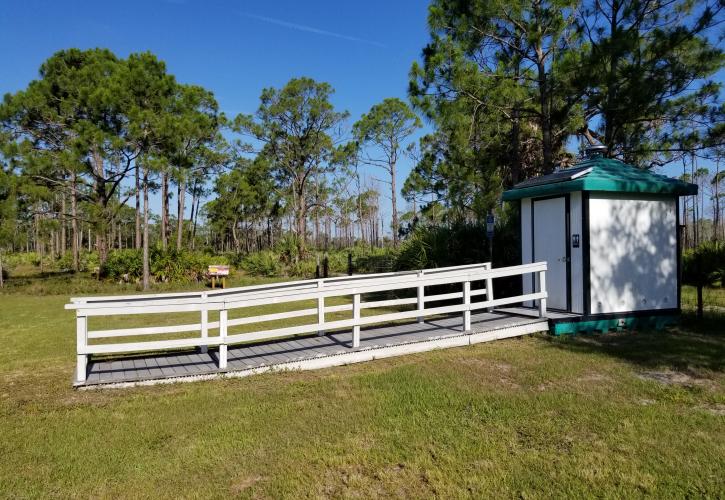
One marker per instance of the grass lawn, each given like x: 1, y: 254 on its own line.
x: 630, y: 414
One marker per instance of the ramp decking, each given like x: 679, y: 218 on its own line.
x: 313, y: 351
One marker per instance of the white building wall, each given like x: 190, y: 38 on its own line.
x: 577, y: 259
x: 633, y: 253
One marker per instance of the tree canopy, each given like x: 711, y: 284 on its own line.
x: 300, y: 132
x: 508, y: 85
x: 381, y: 136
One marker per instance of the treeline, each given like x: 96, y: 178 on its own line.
x: 702, y: 214
x: 509, y: 88
x: 97, y: 134
x: 90, y: 124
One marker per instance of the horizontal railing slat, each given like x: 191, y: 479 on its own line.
x: 149, y: 330
x: 151, y: 309
x: 154, y: 345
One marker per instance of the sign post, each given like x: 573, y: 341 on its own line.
x: 490, y: 224
x: 218, y: 271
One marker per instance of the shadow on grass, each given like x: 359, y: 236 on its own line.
x: 55, y: 283
x: 691, y: 344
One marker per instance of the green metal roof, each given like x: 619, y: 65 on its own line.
x: 600, y: 174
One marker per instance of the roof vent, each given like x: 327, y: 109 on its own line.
x: 595, y: 151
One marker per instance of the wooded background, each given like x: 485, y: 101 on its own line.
x: 510, y: 89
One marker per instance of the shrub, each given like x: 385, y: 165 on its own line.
x: 460, y: 244
x: 87, y: 261
x: 264, y: 263
x: 441, y: 246
x: 181, y: 265
x: 304, y: 268
x: 465, y: 243
x: 703, y: 266
x: 13, y: 260
x: 123, y: 264
x: 288, y: 248
x: 29, y: 259
x: 169, y: 265
x: 65, y: 261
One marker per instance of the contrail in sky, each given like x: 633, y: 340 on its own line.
x: 310, y: 29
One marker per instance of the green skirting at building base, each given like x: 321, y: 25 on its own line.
x: 604, y: 325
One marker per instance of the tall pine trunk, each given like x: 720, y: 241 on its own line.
x: 612, y: 82
x: 717, y: 201
x: 193, y: 222
x: 192, y: 215
x: 181, y: 197
x: 301, y: 222
x: 696, y: 234
x: 137, y: 242
x: 317, y: 210
x: 546, y: 137
x: 102, y: 197
x: 146, y: 271
x: 395, y: 203
x: 164, y: 210
x: 63, y: 224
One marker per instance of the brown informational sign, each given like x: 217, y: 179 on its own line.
x: 216, y: 270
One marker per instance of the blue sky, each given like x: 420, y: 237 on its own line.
x: 235, y: 49
x: 364, y: 49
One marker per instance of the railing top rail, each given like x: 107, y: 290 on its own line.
x: 264, y: 287
x: 385, y: 284
x: 304, y: 290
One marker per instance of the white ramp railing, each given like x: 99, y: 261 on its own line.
x: 321, y: 290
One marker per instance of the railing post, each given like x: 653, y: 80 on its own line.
x: 489, y: 292
x: 421, y: 297
x: 204, y: 323
x: 542, y: 288
x: 320, y: 308
x: 467, y: 303
x: 81, y: 342
x: 223, y: 335
x: 356, y: 316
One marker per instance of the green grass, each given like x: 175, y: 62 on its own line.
x: 627, y: 414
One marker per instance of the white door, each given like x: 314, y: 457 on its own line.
x: 550, y: 244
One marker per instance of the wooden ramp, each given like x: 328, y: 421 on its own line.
x: 365, y: 317
x: 312, y: 351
